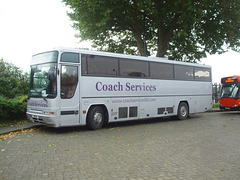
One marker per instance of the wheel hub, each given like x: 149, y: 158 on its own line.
x: 97, y: 119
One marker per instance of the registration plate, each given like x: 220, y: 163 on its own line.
x: 35, y: 117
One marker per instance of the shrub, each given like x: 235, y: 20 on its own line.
x: 13, y: 91
x: 216, y: 105
x: 13, y: 108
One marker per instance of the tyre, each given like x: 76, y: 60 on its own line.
x: 183, y: 111
x: 95, y: 118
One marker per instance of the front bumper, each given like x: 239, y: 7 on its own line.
x: 230, y: 108
x: 51, y: 121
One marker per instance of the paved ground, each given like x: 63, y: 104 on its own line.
x: 28, y: 125
x: 206, y: 146
x: 18, y: 127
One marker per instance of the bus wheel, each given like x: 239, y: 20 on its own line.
x: 183, y: 111
x: 95, y: 118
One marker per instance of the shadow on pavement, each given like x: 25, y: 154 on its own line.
x: 65, y: 130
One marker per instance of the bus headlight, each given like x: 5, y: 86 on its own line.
x: 48, y: 113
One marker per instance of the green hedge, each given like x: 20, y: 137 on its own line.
x: 216, y: 105
x: 13, y: 108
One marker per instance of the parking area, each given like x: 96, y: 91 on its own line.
x: 205, y: 146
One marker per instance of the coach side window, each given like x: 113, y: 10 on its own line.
x: 161, y: 70
x: 202, y: 74
x: 99, y: 65
x: 183, y: 72
x: 133, y: 68
x: 69, y: 80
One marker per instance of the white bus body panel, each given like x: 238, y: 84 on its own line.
x: 147, y: 95
x: 38, y: 111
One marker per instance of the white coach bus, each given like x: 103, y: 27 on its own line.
x: 70, y: 87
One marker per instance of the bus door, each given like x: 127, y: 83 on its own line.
x: 69, y: 88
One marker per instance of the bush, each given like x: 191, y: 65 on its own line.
x: 13, y: 108
x: 216, y: 105
x: 13, y: 92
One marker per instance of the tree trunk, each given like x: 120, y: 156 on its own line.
x: 140, y: 43
x: 162, y: 43
x: 164, y: 35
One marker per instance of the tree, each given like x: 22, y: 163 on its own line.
x: 13, y: 81
x: 13, y: 91
x: 179, y: 29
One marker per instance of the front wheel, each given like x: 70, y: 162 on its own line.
x: 95, y: 118
x: 183, y: 111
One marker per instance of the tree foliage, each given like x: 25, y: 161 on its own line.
x: 13, y: 91
x: 179, y: 29
x: 13, y: 81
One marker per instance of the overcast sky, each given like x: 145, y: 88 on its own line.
x: 31, y: 26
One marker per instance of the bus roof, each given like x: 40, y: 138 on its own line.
x: 118, y: 55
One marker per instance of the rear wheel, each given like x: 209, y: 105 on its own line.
x: 95, y: 118
x: 183, y: 111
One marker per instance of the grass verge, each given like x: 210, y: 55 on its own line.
x: 216, y: 105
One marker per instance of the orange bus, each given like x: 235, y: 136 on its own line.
x: 230, y: 93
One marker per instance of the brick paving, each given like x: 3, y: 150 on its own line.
x: 18, y: 127
x: 206, y: 146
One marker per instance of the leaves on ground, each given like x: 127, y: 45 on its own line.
x: 17, y: 134
x: 13, y: 123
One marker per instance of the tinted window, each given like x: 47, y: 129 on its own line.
x: 70, y: 57
x: 99, y: 65
x: 133, y: 68
x: 202, y: 74
x: 183, y: 72
x: 161, y: 70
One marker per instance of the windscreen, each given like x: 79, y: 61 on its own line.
x: 230, y: 91
x: 43, y: 80
x: 43, y: 75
